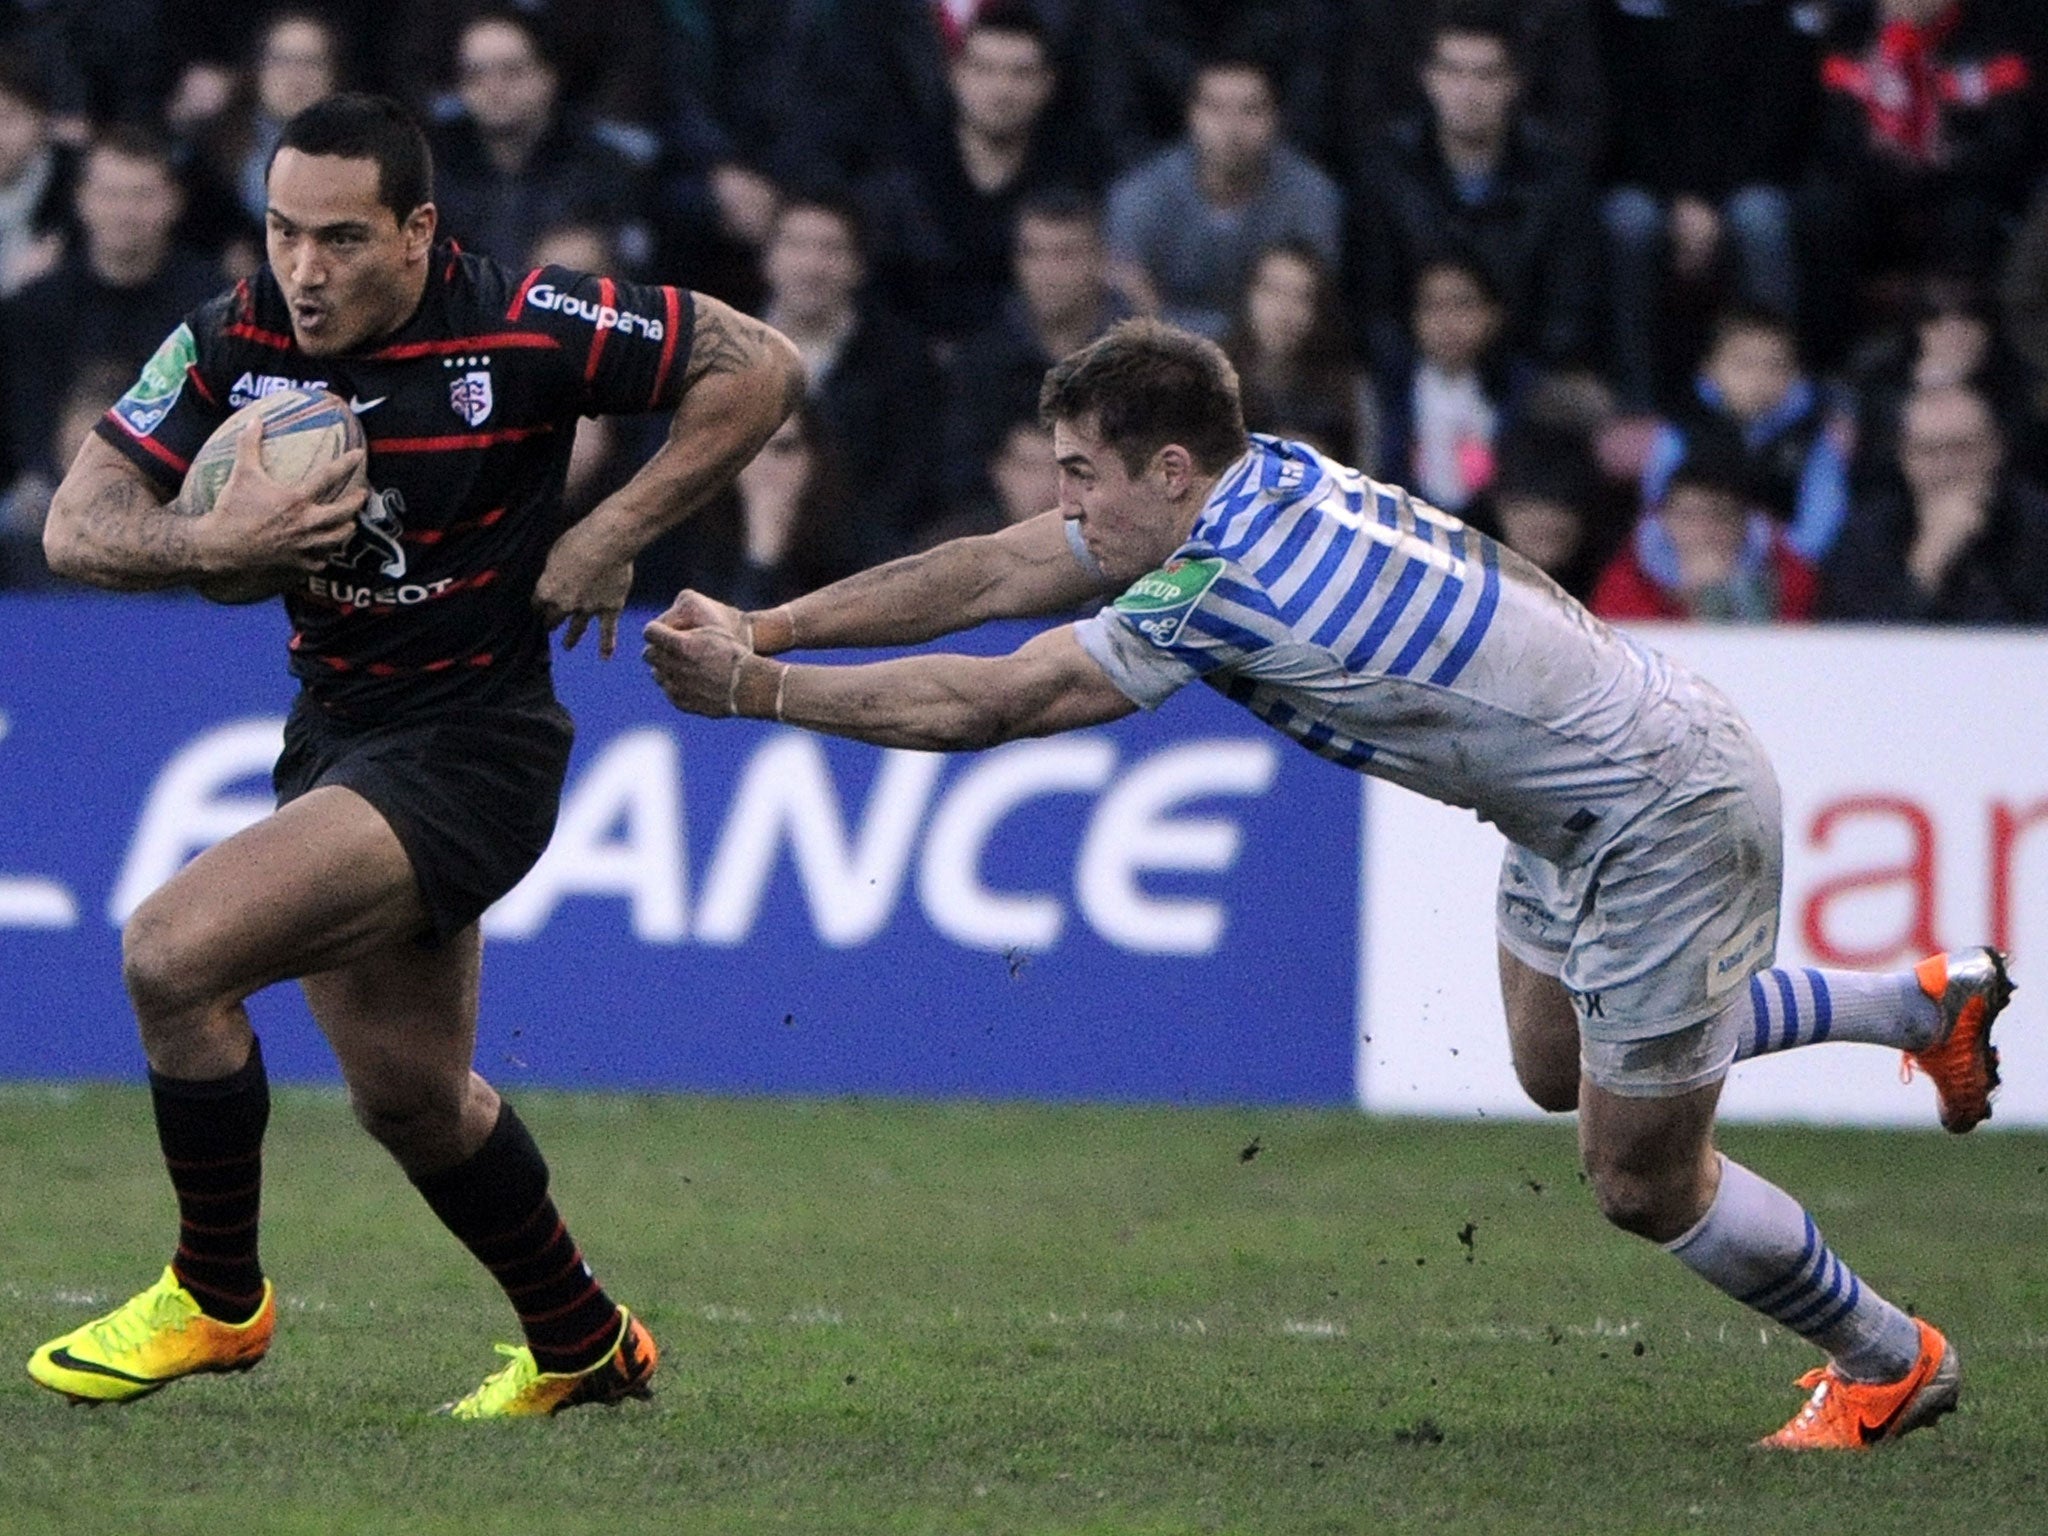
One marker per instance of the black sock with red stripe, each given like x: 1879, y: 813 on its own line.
x: 211, y: 1132
x: 498, y: 1204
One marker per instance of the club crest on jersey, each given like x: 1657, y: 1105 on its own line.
x: 470, y: 395
x: 1159, y: 603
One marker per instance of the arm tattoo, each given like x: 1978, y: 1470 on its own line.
x: 723, y: 343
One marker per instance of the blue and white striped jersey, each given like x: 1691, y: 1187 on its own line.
x: 1390, y: 638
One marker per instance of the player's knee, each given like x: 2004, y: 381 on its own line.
x: 415, y: 1122
x: 163, y: 964
x: 1650, y: 1200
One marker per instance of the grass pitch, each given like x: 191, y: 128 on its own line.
x: 882, y: 1317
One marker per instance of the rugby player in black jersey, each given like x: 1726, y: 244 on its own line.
x: 425, y: 754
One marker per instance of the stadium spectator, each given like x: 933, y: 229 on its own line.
x: 36, y: 176
x: 1704, y: 550
x: 774, y: 536
x: 1187, y: 223
x: 1928, y: 142
x: 1376, y: 52
x: 1472, y: 175
x: 873, y: 383
x: 1293, y: 357
x: 116, y: 294
x: 1060, y: 298
x: 1955, y: 539
x: 1445, y: 403
x: 1639, y: 899
x: 1711, y: 107
x: 2022, y: 296
x: 941, y: 220
x: 877, y: 80
x: 513, y: 161
x: 1950, y: 336
x: 611, y: 61
x: 225, y: 142
x: 1751, y: 381
x: 1141, y: 58
x: 426, y: 754
x: 25, y: 505
x: 735, y: 60
x: 1545, y: 505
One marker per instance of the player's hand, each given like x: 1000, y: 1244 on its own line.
x: 260, y: 523
x: 583, y: 581
x: 693, y: 610
x: 698, y: 669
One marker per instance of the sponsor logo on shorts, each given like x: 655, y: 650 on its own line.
x: 1590, y: 1005
x: 604, y: 316
x: 150, y: 399
x: 1742, y: 956
x: 254, y: 386
x: 1158, y: 604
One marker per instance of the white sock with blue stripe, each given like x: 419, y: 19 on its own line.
x: 1786, y: 1008
x: 1757, y: 1244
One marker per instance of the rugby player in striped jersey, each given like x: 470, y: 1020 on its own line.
x: 1637, y: 910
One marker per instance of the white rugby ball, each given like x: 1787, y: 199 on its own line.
x: 304, y: 431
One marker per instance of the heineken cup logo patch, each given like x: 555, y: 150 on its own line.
x: 1159, y: 603
x: 150, y: 399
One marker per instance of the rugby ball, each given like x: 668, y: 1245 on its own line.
x: 304, y: 430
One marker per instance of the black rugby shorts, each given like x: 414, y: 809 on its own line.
x: 471, y: 791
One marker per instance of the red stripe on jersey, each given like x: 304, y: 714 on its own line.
x: 199, y: 384
x: 519, y: 298
x: 257, y: 334
x: 674, y: 303
x: 150, y: 444
x: 500, y: 340
x: 607, y: 298
x: 458, y: 440
x: 245, y: 301
x: 436, y: 535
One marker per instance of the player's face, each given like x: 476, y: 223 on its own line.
x: 351, y: 271
x: 1130, y: 523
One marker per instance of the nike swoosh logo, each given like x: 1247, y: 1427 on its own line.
x: 64, y: 1359
x: 360, y: 405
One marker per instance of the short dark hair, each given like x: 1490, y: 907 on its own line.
x: 1015, y: 16
x: 1476, y: 18
x: 22, y: 77
x: 132, y: 141
x: 1744, y: 318
x: 1148, y: 384
x: 1715, y: 460
x: 354, y: 125
x: 833, y: 200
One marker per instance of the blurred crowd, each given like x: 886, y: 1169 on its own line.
x: 1729, y: 310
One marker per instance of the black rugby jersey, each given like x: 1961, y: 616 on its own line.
x: 469, y: 409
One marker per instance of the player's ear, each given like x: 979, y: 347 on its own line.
x: 418, y: 231
x: 1175, y: 467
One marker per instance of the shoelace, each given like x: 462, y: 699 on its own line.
x: 507, y: 1380
x: 132, y: 1325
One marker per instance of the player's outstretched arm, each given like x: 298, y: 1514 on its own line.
x: 742, y: 379
x: 1025, y: 570
x: 940, y: 703
x: 109, y: 526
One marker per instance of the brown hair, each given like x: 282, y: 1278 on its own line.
x: 1148, y: 384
